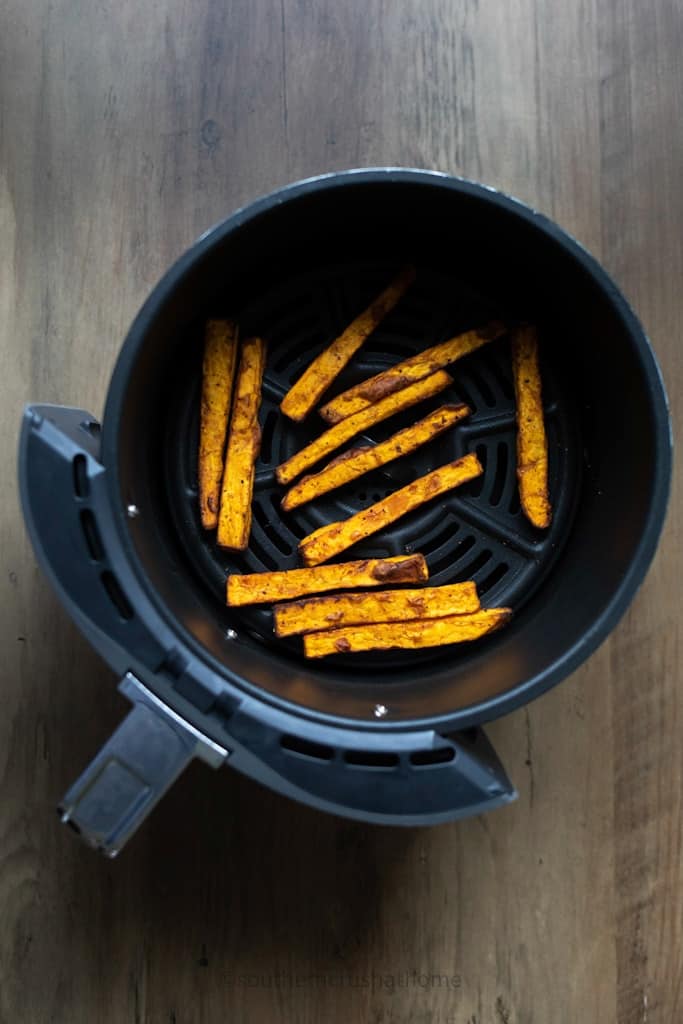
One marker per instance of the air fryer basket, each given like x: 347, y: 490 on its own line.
x: 356, y: 735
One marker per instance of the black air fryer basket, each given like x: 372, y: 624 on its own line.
x: 396, y: 737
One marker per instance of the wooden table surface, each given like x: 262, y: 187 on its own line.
x: 128, y: 128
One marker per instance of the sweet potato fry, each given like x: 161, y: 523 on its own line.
x: 532, y: 446
x: 234, y: 517
x: 329, y: 540
x: 218, y: 371
x: 384, y: 636
x: 336, y: 610
x: 314, y: 381
x: 348, y: 428
x: 264, y: 587
x: 358, y: 461
x: 416, y: 368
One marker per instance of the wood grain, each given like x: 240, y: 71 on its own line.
x: 126, y: 130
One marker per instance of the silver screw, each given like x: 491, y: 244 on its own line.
x: 380, y: 710
x: 132, y: 511
x: 230, y: 634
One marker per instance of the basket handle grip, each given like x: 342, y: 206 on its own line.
x: 133, y: 770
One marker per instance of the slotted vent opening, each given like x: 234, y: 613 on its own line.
x: 500, y: 371
x: 495, y: 576
x: 306, y: 748
x: 482, y: 559
x: 429, y: 758
x: 80, y: 471
x: 293, y: 523
x: 116, y: 595
x: 267, y: 437
x: 274, y: 535
x: 93, y: 541
x: 263, y: 556
x: 465, y: 395
x: 445, y: 536
x: 501, y: 473
x: 484, y: 389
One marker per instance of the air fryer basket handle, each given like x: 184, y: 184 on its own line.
x: 133, y: 770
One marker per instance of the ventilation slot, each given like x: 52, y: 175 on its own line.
x: 267, y: 437
x: 81, y: 482
x: 272, y: 390
x: 261, y: 554
x: 292, y: 522
x: 444, y: 537
x: 428, y: 758
x: 484, y: 389
x: 495, y: 576
x: 482, y: 559
x: 304, y: 748
x: 274, y: 536
x: 464, y: 395
x: 447, y: 555
x: 514, y: 506
x: 501, y: 376
x: 451, y: 557
x: 116, y: 595
x: 370, y: 759
x: 501, y: 473
x: 91, y: 534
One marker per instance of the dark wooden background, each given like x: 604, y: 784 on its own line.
x: 126, y: 129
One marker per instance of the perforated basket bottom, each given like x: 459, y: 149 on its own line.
x: 477, y: 532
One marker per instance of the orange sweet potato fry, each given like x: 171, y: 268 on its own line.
x: 218, y: 371
x: 328, y: 541
x: 416, y: 368
x: 342, y: 432
x: 358, y: 461
x: 244, y: 440
x: 385, y: 636
x: 532, y: 445
x: 266, y: 587
x: 319, y: 613
x: 322, y: 372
